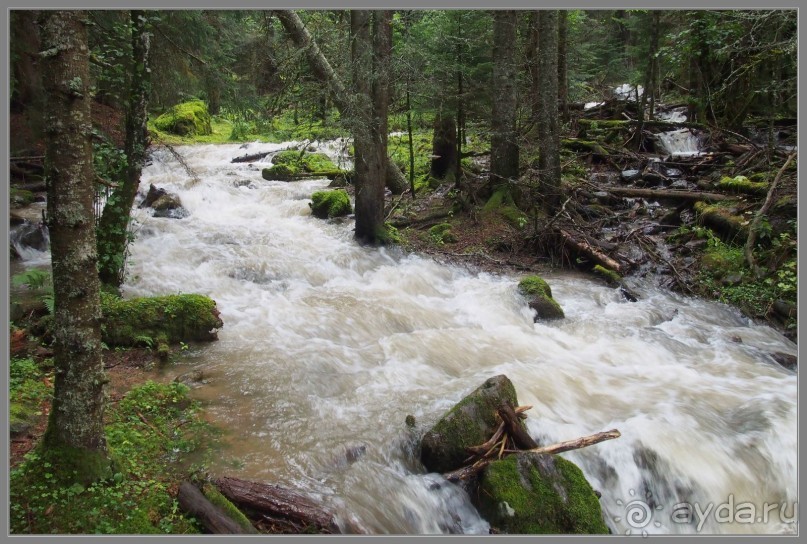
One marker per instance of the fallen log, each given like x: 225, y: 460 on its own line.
x: 668, y: 194
x: 251, y: 158
x: 192, y: 501
x: 585, y: 248
x: 279, y: 504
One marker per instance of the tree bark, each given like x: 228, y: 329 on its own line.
x: 113, y: 226
x: 444, y: 146
x: 294, y: 26
x: 548, y: 130
x: 276, y: 501
x: 503, y: 141
x: 371, y: 37
x: 563, y: 67
x: 74, y: 439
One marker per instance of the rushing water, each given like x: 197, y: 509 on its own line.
x: 327, y: 346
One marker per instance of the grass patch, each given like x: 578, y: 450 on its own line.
x: 155, y: 434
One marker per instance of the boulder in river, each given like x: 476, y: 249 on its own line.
x: 328, y: 204
x: 471, y: 422
x: 163, y: 203
x: 537, y: 493
x: 540, y: 298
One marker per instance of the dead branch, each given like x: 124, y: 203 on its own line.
x: 752, y: 231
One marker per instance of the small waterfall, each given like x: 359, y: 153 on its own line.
x: 31, y: 240
x: 678, y: 143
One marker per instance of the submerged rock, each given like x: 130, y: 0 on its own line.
x: 534, y: 493
x: 538, y: 291
x: 471, y: 422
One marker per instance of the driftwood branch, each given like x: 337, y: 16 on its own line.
x: 577, y: 443
x: 515, y: 428
x: 583, y: 247
x: 753, y: 230
x: 468, y: 472
x: 192, y: 501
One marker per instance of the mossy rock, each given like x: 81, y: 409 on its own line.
x: 533, y: 493
x: 540, y: 298
x: 611, y: 277
x: 304, y: 162
x: 19, y: 198
x: 472, y: 421
x: 327, y: 204
x: 279, y: 172
x: 741, y: 184
x: 730, y: 227
x: 441, y: 234
x: 159, y: 320
x: 185, y: 119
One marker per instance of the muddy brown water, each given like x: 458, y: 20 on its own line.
x: 328, y: 346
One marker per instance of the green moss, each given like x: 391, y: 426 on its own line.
x: 537, y: 290
x: 609, y: 275
x: 282, y: 172
x: 304, y: 161
x: 20, y: 197
x: 327, y: 204
x: 232, y: 511
x: 389, y: 235
x: 170, y: 319
x: 501, y: 203
x: 441, y: 234
x: 584, y: 146
x: 730, y: 227
x: 470, y: 422
x: 534, y: 285
x: 185, y: 119
x: 544, y: 494
x: 742, y: 184
x: 153, y: 434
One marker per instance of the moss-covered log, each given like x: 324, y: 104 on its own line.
x: 159, y: 320
x: 730, y: 227
x: 743, y: 185
x: 584, y: 146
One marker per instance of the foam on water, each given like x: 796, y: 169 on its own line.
x: 327, y: 346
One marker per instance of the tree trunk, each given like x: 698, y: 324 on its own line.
x: 26, y: 93
x: 113, y: 227
x: 532, y: 65
x: 371, y: 36
x: 563, y: 75
x: 503, y: 141
x: 395, y: 180
x: 74, y: 439
x: 548, y: 131
x: 444, y: 146
x: 460, y: 108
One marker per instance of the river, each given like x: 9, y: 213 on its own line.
x: 328, y: 346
